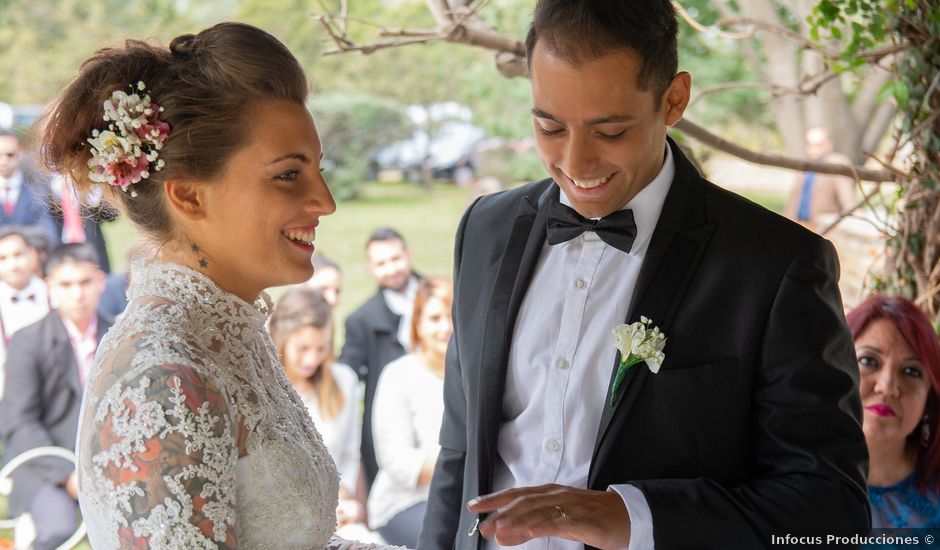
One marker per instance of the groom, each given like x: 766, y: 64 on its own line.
x: 751, y: 428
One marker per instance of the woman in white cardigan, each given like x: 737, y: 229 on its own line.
x: 406, y: 419
x: 302, y: 330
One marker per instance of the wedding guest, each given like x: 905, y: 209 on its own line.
x: 406, y: 419
x: 46, y: 370
x: 327, y: 278
x: 817, y: 198
x: 302, y: 330
x: 899, y: 362
x: 24, y: 200
x: 80, y: 219
x: 23, y: 297
x: 38, y: 240
x: 378, y: 332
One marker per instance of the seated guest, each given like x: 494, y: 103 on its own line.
x: 406, y: 419
x: 899, y: 362
x: 377, y: 333
x: 302, y: 331
x: 45, y: 371
x: 327, y: 278
x: 23, y: 298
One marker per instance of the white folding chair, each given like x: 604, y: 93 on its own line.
x: 24, y: 529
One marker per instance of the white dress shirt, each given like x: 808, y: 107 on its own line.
x: 19, y: 308
x: 84, y: 344
x: 560, y: 362
x: 10, y: 188
x: 402, y: 303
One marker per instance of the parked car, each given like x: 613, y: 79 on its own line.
x: 453, y: 141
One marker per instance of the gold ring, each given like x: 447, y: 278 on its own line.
x: 561, y: 512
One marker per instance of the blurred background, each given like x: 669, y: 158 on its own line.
x: 410, y: 132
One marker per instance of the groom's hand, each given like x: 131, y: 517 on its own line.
x: 595, y: 518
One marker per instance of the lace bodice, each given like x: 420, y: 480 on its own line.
x: 191, y: 436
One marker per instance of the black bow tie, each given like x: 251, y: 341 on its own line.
x: 28, y: 297
x: 616, y: 229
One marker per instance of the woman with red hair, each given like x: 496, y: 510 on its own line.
x: 899, y: 363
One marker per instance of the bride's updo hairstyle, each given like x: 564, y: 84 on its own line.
x: 206, y: 85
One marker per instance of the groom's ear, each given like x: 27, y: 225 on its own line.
x: 676, y: 97
x: 185, y: 198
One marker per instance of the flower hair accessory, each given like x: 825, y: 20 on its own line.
x: 128, y: 150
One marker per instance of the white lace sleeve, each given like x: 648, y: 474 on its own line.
x: 163, y: 453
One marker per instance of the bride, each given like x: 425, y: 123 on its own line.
x: 191, y: 436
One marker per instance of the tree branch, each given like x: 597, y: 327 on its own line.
x: 510, y: 59
x: 702, y: 135
x: 709, y: 30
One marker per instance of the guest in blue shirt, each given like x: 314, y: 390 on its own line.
x: 899, y: 363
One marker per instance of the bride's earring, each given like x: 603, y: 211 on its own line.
x: 925, y: 432
x: 203, y: 262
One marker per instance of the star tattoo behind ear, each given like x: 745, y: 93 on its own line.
x: 203, y: 262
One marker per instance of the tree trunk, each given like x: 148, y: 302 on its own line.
x: 912, y: 268
x: 783, y: 69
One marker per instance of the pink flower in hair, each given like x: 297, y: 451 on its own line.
x: 128, y: 171
x: 123, y: 154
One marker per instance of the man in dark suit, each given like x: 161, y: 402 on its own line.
x: 47, y: 363
x: 24, y: 200
x: 750, y: 426
x: 378, y: 332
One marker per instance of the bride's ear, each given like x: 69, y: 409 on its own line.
x: 185, y: 198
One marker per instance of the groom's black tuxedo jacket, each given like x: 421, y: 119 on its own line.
x: 751, y: 427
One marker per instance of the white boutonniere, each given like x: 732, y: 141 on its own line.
x: 638, y: 343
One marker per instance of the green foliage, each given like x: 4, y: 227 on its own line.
x: 43, y: 42
x: 914, y: 27
x: 714, y: 60
x: 354, y: 127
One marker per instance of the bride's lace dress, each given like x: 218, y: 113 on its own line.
x: 191, y: 435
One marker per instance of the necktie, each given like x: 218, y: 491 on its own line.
x: 73, y: 230
x: 8, y: 204
x: 616, y: 229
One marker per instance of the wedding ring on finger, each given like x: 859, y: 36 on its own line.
x: 561, y: 512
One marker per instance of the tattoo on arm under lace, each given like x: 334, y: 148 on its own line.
x: 176, y: 454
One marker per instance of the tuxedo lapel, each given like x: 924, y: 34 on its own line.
x: 515, y: 272
x: 678, y: 242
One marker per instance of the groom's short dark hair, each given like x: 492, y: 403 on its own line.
x: 582, y: 30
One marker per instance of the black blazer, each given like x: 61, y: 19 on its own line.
x: 41, y: 402
x: 751, y: 427
x: 371, y: 343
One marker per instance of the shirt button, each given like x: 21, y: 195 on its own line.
x: 562, y: 364
x: 580, y: 283
x: 553, y: 445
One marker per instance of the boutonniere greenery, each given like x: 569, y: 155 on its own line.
x: 638, y: 342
